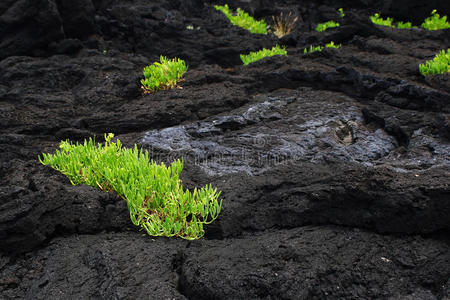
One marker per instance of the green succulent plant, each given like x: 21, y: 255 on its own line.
x: 438, y: 65
x: 313, y: 49
x: 389, y: 22
x: 163, y: 75
x: 405, y: 25
x: 341, y: 12
x: 332, y: 45
x: 376, y: 19
x: 255, y: 56
x: 435, y: 22
x: 324, y: 26
x: 243, y: 19
x: 156, y: 199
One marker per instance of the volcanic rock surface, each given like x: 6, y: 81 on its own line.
x: 334, y: 166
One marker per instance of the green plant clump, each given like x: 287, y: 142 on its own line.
x: 332, y: 45
x: 435, y: 22
x: 404, y: 25
x: 154, y: 194
x: 313, y: 49
x: 376, y: 19
x: 255, y: 56
x: 163, y: 75
x: 438, y: 65
x: 324, y: 26
x: 341, y: 12
x: 243, y: 19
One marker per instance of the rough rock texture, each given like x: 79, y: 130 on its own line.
x: 334, y: 167
x: 27, y: 26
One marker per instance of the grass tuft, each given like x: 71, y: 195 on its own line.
x: 243, y: 19
x: 255, y: 56
x: 154, y: 194
x: 283, y: 25
x: 438, y: 65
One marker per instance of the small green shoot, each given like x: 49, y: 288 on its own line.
x: 438, y: 65
x: 243, y: 19
x: 324, y: 26
x: 313, y: 49
x: 155, y: 196
x: 435, y: 22
x: 341, y: 12
x: 163, y: 75
x: 404, y: 25
x: 332, y: 45
x: 255, y: 56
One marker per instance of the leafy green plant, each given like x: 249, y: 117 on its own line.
x: 255, y: 56
x: 438, y: 65
x: 243, y: 19
x: 154, y: 194
x: 435, y: 22
x: 313, y: 49
x: 324, y: 26
x: 163, y: 75
x: 341, y: 12
x: 283, y: 25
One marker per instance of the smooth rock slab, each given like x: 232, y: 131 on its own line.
x: 307, y: 126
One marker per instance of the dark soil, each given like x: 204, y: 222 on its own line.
x: 334, y: 167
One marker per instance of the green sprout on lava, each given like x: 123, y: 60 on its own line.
x: 243, y: 19
x: 324, y: 26
x: 255, y: 56
x: 313, y: 49
x: 378, y: 20
x: 389, y: 22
